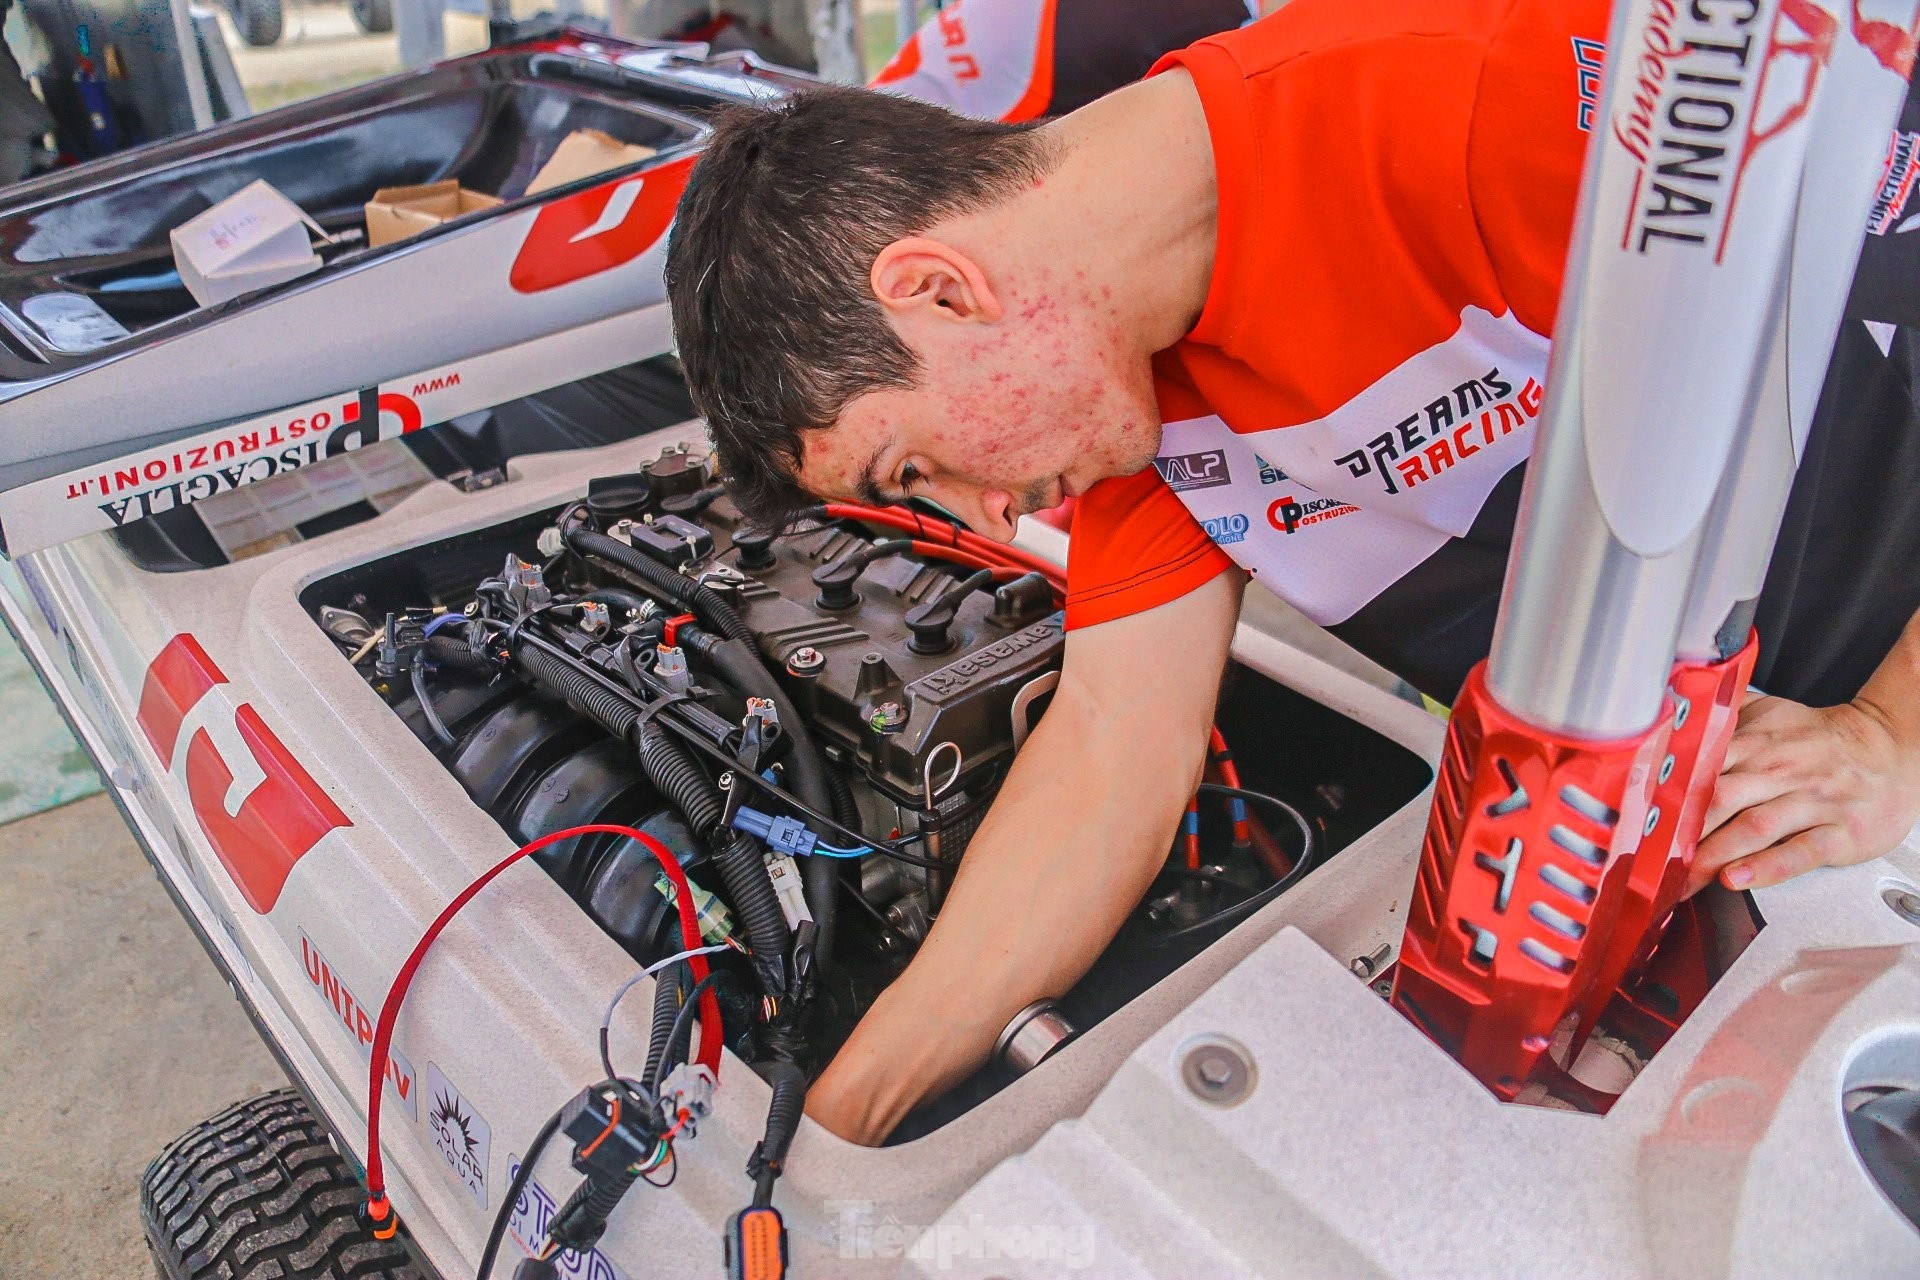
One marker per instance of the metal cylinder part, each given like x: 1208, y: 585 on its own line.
x: 1031, y: 1036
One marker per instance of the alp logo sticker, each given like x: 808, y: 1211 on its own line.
x: 256, y: 806
x: 1227, y: 530
x: 600, y: 228
x: 1204, y: 470
x: 460, y: 1133
x: 358, y: 1019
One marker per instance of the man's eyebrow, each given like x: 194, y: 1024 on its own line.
x: 868, y: 485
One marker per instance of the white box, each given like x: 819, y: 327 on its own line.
x: 254, y: 238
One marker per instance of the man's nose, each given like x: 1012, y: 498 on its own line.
x: 996, y: 516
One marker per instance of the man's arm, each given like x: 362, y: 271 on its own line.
x: 1807, y: 787
x: 1077, y: 834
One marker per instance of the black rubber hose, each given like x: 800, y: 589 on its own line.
x: 445, y: 651
x: 703, y: 602
x: 789, y: 1084
x: 669, y: 992
x: 844, y: 807
x: 582, y: 1220
x: 756, y: 907
x: 607, y: 708
x: 424, y: 697
x: 739, y: 663
x: 675, y: 776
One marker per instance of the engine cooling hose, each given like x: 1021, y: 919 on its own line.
x: 607, y: 709
x: 739, y: 663
x: 703, y: 602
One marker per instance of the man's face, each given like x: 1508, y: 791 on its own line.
x: 1007, y: 418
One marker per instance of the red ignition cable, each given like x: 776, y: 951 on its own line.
x: 385, y: 1223
x: 1190, y: 825
x: 907, y: 520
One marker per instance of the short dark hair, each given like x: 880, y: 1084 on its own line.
x: 773, y: 248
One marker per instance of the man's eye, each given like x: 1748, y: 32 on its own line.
x: 909, y: 476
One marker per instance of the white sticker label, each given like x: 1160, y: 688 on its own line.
x: 72, y: 322
x: 460, y: 1132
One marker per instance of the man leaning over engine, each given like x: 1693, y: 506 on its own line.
x: 1281, y: 309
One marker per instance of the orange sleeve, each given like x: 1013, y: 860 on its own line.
x: 1528, y: 144
x: 1134, y: 547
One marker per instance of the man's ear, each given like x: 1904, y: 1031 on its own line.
x: 917, y: 276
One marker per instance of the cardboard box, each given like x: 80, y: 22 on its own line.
x: 254, y: 238
x: 583, y: 153
x: 395, y: 213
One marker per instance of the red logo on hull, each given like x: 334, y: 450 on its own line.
x: 285, y: 812
x: 599, y: 229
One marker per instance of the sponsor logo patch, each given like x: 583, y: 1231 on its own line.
x: 460, y: 1133
x: 1269, y: 474
x: 1289, y: 515
x: 1204, y: 470
x: 1896, y: 183
x: 1227, y: 530
x: 1589, y: 64
x: 259, y: 809
x: 1446, y: 431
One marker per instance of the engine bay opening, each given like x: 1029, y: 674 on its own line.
x: 814, y: 722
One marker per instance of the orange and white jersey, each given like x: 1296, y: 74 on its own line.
x: 1396, y: 190
x: 1019, y: 60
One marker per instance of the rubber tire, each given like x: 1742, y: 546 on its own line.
x: 375, y: 17
x: 259, y: 1193
x: 258, y: 21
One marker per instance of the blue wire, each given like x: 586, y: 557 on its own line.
x: 832, y: 851
x: 442, y: 621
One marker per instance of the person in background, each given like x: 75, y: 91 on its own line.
x: 1015, y: 60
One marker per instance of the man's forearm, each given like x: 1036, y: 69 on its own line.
x: 1062, y: 858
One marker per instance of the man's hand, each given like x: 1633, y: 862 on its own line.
x: 1076, y: 835
x: 1807, y: 787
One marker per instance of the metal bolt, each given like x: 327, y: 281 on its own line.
x: 1217, y: 1071
x: 1371, y: 963
x: 1666, y: 768
x: 1653, y: 819
x: 1680, y: 713
x: 805, y: 661
x: 1383, y: 989
x: 1905, y: 903
x: 888, y: 717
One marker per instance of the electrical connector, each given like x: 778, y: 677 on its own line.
x: 788, y: 835
x: 610, y: 1131
x: 689, y: 1088
x: 711, y: 914
x: 788, y: 888
x: 757, y: 1244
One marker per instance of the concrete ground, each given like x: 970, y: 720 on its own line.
x: 116, y: 1034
